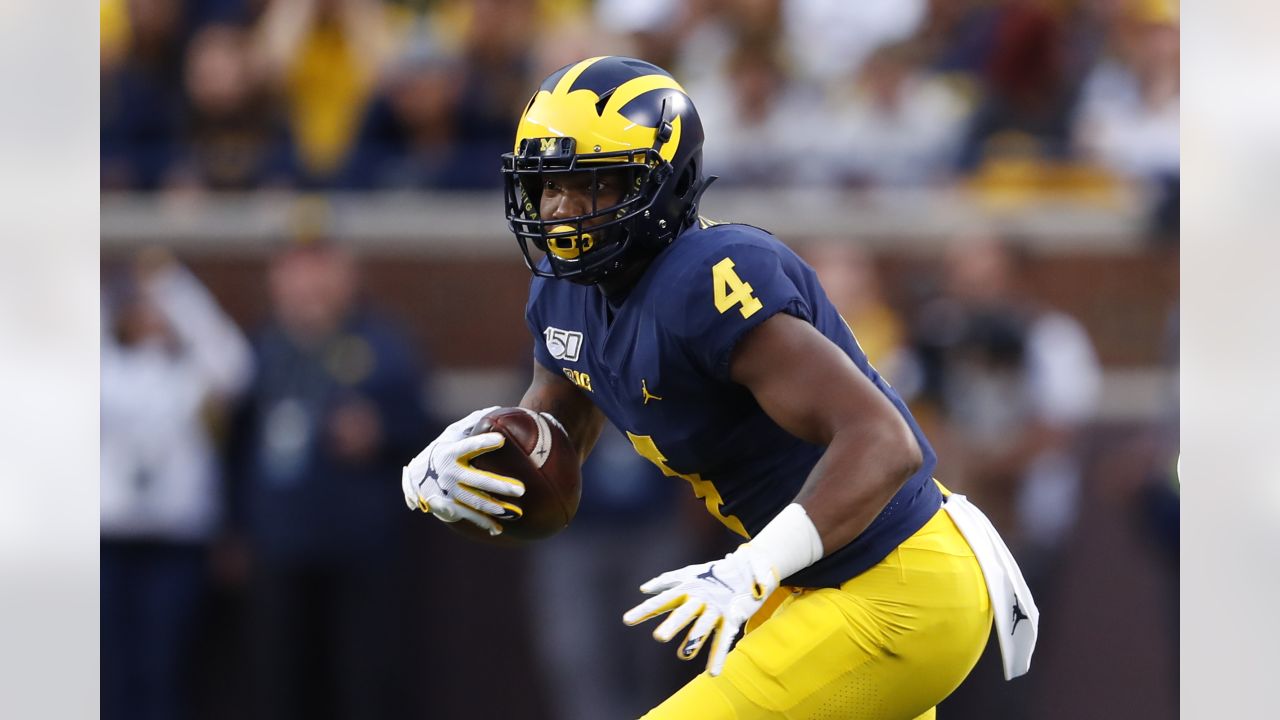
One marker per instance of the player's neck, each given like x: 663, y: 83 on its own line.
x: 616, y: 289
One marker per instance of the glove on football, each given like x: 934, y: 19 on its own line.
x: 442, y: 481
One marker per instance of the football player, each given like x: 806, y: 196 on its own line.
x: 865, y: 589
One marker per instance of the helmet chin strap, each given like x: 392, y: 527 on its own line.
x: 665, y: 129
x: 661, y: 135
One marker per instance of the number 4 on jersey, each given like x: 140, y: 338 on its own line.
x: 729, y: 290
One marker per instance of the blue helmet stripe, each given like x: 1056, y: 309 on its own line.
x: 550, y: 83
x: 643, y: 109
x: 608, y: 73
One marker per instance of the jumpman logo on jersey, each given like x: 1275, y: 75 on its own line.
x: 647, y: 395
x: 1018, y: 616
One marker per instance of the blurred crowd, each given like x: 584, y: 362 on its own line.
x: 397, y: 94
x: 266, y: 464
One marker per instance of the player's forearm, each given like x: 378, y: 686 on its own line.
x: 583, y: 428
x: 861, y: 471
x: 581, y: 421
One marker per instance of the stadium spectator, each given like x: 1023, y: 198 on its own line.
x: 323, y: 57
x: 1128, y: 116
x: 831, y: 39
x: 849, y: 276
x: 233, y: 137
x: 756, y: 122
x: 495, y: 41
x: 171, y: 364
x: 412, y: 136
x: 956, y: 36
x: 708, y: 32
x: 333, y: 411
x: 141, y: 99
x: 654, y: 30
x: 892, y: 124
x: 1027, y: 91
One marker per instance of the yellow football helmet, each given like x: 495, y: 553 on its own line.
x: 613, y: 114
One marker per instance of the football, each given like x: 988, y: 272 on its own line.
x: 540, y: 455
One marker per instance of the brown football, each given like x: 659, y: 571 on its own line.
x: 539, y: 454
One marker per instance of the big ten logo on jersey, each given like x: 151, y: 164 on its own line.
x: 579, y: 378
x: 563, y: 344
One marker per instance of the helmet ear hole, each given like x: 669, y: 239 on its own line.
x: 685, y: 181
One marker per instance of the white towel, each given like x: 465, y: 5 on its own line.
x: 1016, y: 615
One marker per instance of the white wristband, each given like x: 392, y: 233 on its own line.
x: 790, y: 542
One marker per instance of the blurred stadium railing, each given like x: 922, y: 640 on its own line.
x: 427, y: 255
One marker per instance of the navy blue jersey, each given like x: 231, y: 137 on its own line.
x: 657, y: 365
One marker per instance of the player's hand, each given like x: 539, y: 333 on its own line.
x: 717, y: 597
x: 442, y: 481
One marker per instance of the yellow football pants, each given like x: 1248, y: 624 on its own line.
x: 889, y: 644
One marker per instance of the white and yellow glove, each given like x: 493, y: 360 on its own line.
x: 442, y: 481
x: 720, y: 596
